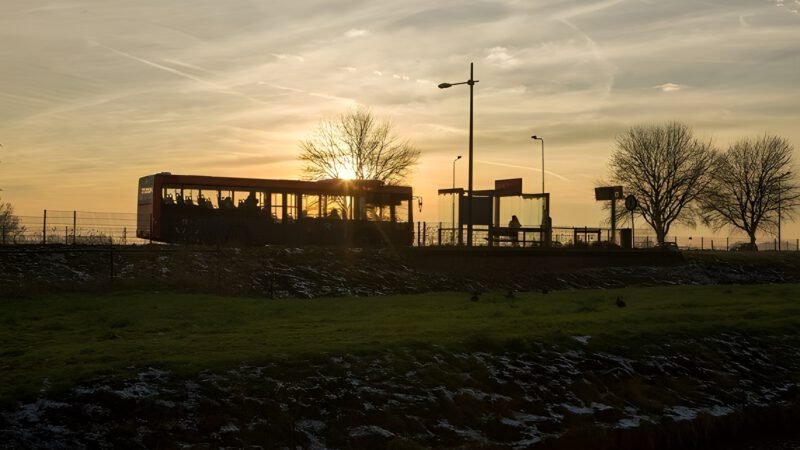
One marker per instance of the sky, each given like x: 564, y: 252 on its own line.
x: 97, y: 93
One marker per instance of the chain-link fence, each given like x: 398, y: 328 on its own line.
x: 437, y: 234
x: 104, y: 228
x: 74, y: 227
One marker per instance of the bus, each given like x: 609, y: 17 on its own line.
x: 192, y: 209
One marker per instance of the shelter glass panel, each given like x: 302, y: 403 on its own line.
x: 448, y: 209
x: 528, y: 209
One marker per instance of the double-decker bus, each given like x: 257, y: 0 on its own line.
x: 195, y: 209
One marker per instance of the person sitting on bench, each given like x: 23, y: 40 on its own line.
x: 514, y: 235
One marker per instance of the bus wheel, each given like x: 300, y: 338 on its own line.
x: 238, y: 237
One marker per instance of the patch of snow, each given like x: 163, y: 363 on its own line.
x: 468, y: 433
x: 228, y: 428
x: 720, y: 410
x: 137, y: 390
x: 370, y: 430
x: 628, y: 422
x: 577, y: 409
x: 681, y: 413
x: 582, y: 339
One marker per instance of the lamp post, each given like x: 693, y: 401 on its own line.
x: 779, y: 215
x: 537, y: 138
x: 471, y: 82
x: 545, y: 216
x: 454, y: 170
x: 453, y: 209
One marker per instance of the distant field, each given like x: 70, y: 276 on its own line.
x: 62, y: 339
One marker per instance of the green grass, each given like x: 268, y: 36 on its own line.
x: 67, y: 338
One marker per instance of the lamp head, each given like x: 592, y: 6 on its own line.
x: 445, y: 85
x: 534, y: 137
x: 459, y: 157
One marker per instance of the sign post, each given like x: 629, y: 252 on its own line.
x: 631, y: 204
x: 612, y: 193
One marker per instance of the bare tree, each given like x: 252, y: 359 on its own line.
x: 10, y: 227
x: 750, y: 182
x: 667, y: 169
x: 356, y: 145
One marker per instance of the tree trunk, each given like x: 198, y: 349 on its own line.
x: 752, y: 237
x: 660, y: 236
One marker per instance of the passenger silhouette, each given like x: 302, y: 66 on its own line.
x: 334, y: 215
x: 514, y: 223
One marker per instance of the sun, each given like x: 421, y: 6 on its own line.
x: 347, y: 173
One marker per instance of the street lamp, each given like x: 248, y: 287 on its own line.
x: 453, y: 210
x: 471, y: 82
x: 454, y: 170
x: 537, y: 138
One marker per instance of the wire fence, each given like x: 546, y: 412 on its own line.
x: 436, y: 234
x: 74, y: 228
x: 107, y: 228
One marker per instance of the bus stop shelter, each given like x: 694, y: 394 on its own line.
x: 492, y: 212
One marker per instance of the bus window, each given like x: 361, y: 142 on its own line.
x: 401, y: 212
x: 276, y: 200
x: 190, y: 196
x: 226, y: 200
x: 342, y: 204
x: 171, y: 196
x: 208, y: 199
x: 291, y: 207
x: 312, y: 206
x: 246, y: 200
x: 378, y: 213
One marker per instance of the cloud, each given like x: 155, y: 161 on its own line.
x: 378, y: 73
x: 669, y: 87
x: 355, y: 32
x: 499, y: 56
x: 297, y: 58
x: 350, y: 69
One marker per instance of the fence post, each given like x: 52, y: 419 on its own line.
x: 74, y: 227
x: 796, y: 246
x: 44, y: 227
x: 775, y: 245
x: 111, y: 261
x: 727, y: 241
x: 701, y: 243
x: 419, y: 227
x: 424, y: 233
x: 124, y: 235
x: 66, y: 234
x: 439, y: 235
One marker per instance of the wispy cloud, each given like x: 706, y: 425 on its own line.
x: 355, y: 32
x: 286, y: 56
x: 521, y: 167
x: 669, y: 87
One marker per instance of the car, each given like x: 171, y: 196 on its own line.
x: 744, y: 247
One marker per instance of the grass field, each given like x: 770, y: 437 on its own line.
x: 66, y: 338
